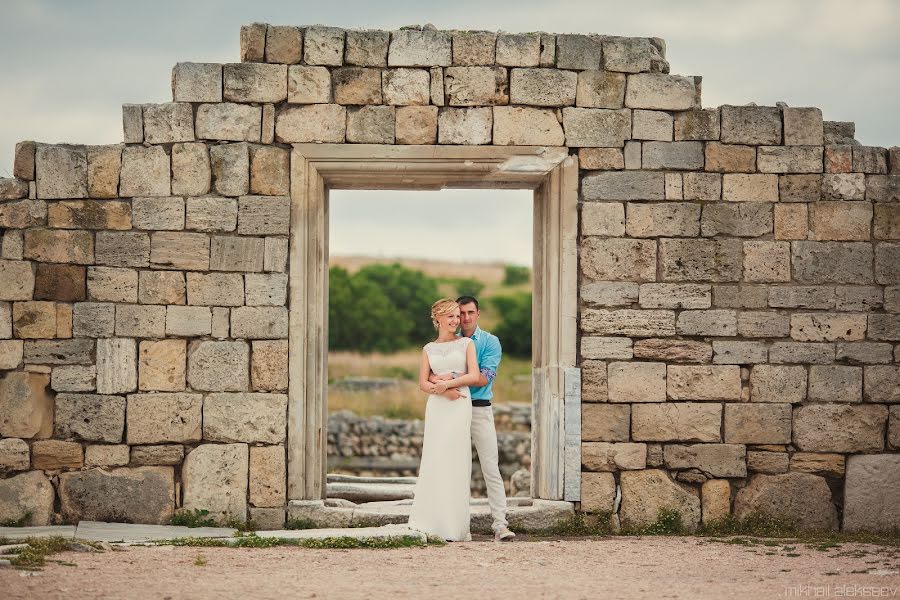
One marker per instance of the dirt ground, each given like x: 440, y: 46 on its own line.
x: 617, y: 567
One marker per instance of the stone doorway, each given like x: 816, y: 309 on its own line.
x: 552, y: 175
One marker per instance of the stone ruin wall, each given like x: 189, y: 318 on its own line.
x: 739, y: 280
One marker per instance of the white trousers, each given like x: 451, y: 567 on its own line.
x: 484, y: 436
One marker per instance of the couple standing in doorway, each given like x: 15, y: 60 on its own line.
x: 457, y: 373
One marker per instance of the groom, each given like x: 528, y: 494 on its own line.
x: 484, y: 435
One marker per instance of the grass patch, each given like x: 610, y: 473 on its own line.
x: 577, y: 525
x: 200, y: 561
x: 198, y: 517
x: 668, y: 522
x: 302, y: 523
x: 336, y: 542
x: 34, y: 556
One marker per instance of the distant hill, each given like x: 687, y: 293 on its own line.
x: 489, y: 273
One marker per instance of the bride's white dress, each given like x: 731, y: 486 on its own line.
x: 441, y: 494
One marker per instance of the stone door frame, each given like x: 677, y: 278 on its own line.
x: 553, y: 176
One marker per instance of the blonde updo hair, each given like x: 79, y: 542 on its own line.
x: 442, y: 307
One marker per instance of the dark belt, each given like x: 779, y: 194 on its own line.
x: 481, y: 402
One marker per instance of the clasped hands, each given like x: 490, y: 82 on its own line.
x: 438, y: 386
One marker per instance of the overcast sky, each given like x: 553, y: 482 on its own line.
x: 67, y: 67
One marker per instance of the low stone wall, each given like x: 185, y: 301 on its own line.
x: 376, y: 446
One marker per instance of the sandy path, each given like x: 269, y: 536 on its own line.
x: 624, y: 567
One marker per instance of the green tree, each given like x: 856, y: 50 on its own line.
x: 514, y: 329
x: 466, y: 286
x: 411, y: 293
x: 514, y: 275
x: 361, y: 317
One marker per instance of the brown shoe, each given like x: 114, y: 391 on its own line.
x: 503, y: 534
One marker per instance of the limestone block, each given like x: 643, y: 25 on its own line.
x: 704, y: 382
x: 603, y: 218
x: 323, y: 46
x: 269, y: 365
x: 370, y: 125
x: 618, y: 259
x: 869, y: 159
x: 645, y: 493
x: 27, y: 495
x: 730, y: 158
x: 367, y: 48
x: 674, y: 295
x: 93, y: 319
x: 840, y: 221
x: 803, y: 126
x: 136, y: 495
x: 636, y: 323
x: 188, y: 321
x: 162, y: 365
x: 606, y: 347
x: 840, y: 427
x: 751, y: 423
x: 26, y: 409
x: 700, y: 260
x: 47, y: 455
x: 266, y: 289
x: 245, y: 417
x: 162, y: 287
x: 894, y: 428
x: 623, y: 186
x: 15, y: 455
x: 65, y: 283
x: 180, y: 250
x: 104, y: 164
x: 58, y: 352
x: 123, y: 249
x: 713, y: 460
x: 600, y: 89
x: 838, y: 159
x: 578, y: 52
x: 789, y: 159
x: 832, y: 262
x: 525, y: 126
x: 253, y: 42
x: 236, y: 254
x: 672, y: 155
x: 34, y: 320
x: 476, y: 86
x: 404, y: 87
x: 668, y: 219
x: 164, y: 417
x: 211, y: 214
x: 215, y: 478
x: 754, y: 125
x: 23, y: 214
x: 197, y: 82
x: 169, y: 122
x: 90, y: 214
x: 316, y: 123
x: 267, y: 476
x: 699, y: 124
x: 828, y: 465
x: 90, y: 417
x: 739, y: 219
x: 437, y: 86
x: 117, y: 357
x: 868, y: 504
x: 74, y: 378
x: 742, y: 296
x: 228, y: 121
x: 673, y: 350
x: 715, y: 498
x: 883, y: 188
x: 542, y: 87
x: 61, y: 171
x: 283, y: 44
x: 718, y: 322
x: 259, y: 322
x: 416, y: 124
x: 13, y: 189
x: 215, y: 289
x: 637, y: 382
x: 230, y: 169
x: 767, y: 261
x: 133, y: 123
x: 597, y: 127
x: 357, y: 85
x: 739, y: 353
x: 801, y: 296
x: 254, y: 82
x: 601, y: 158
x: 513, y: 50
x: 843, y: 186
x: 598, y: 492
x: 676, y: 421
x: 627, y: 55
x: 657, y: 91
x: 105, y: 455
x: 11, y: 354
x: 16, y: 280
x: 112, y: 284
x: 259, y: 215
x: 140, y: 320
x: 605, y: 422
x: 829, y: 327
x: 23, y: 161
x: 49, y: 245
x: 887, y: 263
x: 158, y: 214
x: 605, y: 456
x: 770, y: 463
x: 610, y: 294
x: 864, y: 352
x: 749, y: 188
x: 166, y: 454
x: 5, y: 320
x: 465, y: 126
x: 882, y: 383
x: 309, y: 85
x: 791, y: 221
x: 887, y: 222
x: 799, y: 498
x: 593, y: 382
x: 653, y: 125
x: 218, y: 366
x: 478, y: 48
x: 145, y: 171
x: 420, y: 48
x: 801, y: 352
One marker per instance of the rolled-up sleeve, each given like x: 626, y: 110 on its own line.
x: 490, y: 359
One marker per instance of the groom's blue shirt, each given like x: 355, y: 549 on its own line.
x: 488, y: 353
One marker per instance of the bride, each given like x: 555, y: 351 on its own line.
x: 441, y: 494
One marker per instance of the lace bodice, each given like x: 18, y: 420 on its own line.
x: 447, y: 357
